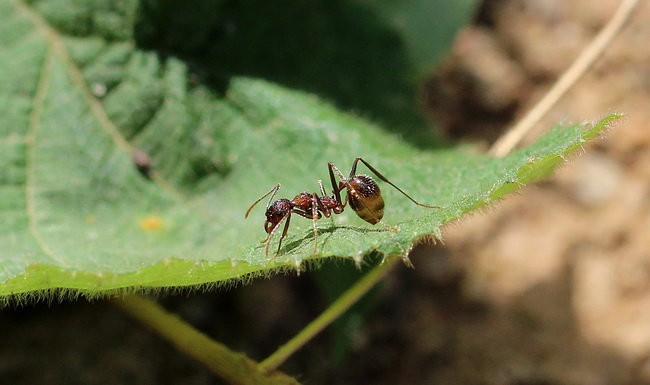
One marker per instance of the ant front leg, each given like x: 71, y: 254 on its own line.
x: 287, y: 216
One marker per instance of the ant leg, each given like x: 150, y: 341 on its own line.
x: 322, y: 208
x: 354, y: 169
x: 284, y: 234
x: 315, y: 205
x: 322, y: 188
x: 314, y: 215
x: 274, y: 190
x: 336, y: 187
x: 344, y: 183
x: 391, y: 228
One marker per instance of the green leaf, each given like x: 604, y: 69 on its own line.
x: 77, y: 215
x: 365, y: 55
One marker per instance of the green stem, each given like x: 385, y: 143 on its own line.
x: 234, y: 367
x: 343, y: 303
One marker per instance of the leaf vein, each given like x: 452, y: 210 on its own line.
x: 30, y: 184
x: 95, y: 105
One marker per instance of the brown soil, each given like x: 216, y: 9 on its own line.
x: 563, y: 269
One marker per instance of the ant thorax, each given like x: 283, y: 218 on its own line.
x: 303, y: 200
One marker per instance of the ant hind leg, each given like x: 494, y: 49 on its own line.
x: 383, y: 178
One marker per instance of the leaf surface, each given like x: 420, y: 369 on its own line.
x: 76, y: 213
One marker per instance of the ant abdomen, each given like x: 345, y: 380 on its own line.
x: 365, y: 198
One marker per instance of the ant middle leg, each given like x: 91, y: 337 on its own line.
x: 316, y: 204
x: 325, y: 211
x: 314, y: 215
x: 322, y: 188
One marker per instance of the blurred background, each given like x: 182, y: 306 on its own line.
x: 550, y: 286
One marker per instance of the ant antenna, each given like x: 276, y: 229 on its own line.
x: 274, y: 190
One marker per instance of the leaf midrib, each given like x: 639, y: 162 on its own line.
x: 57, y: 49
x: 30, y: 140
x: 57, y: 45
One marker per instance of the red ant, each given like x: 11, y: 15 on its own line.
x: 310, y: 206
x: 363, y: 194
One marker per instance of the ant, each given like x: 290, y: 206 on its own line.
x: 363, y: 194
x: 310, y: 206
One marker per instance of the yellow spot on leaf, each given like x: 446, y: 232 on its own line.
x: 152, y: 222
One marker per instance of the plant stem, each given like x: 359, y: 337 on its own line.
x: 587, y: 58
x: 234, y: 367
x: 336, y: 309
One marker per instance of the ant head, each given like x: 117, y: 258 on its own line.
x: 274, y: 214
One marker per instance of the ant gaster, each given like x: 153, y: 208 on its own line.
x: 363, y: 194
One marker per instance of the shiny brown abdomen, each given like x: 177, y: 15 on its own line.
x: 366, y: 199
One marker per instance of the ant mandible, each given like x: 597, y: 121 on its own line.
x: 363, y: 194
